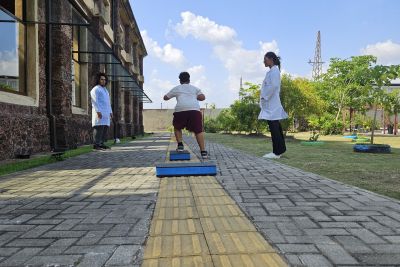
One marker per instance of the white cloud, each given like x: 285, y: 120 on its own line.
x: 167, y: 53
x: 8, y: 63
x: 198, y: 77
x: 238, y: 61
x: 227, y: 48
x: 204, y: 29
x: 387, y: 53
x: 156, y: 88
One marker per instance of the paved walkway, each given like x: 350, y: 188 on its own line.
x: 95, y: 210
x: 314, y: 221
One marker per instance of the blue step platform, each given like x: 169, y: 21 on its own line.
x: 184, y: 155
x: 186, y: 169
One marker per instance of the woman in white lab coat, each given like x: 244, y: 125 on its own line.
x: 271, y: 107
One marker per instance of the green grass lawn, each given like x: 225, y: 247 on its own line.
x: 38, y: 160
x: 335, y: 159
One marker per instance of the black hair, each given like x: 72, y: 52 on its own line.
x: 184, y: 77
x: 99, y: 75
x: 275, y: 58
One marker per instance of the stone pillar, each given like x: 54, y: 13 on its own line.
x: 61, y: 71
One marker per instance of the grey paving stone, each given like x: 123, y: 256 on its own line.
x: 274, y: 235
x: 120, y: 230
x: 91, y: 238
x: 293, y: 260
x: 37, y: 231
x: 94, y: 260
x: 353, y: 244
x: 24, y: 242
x: 8, y: 236
x: 351, y: 218
x: 379, y: 259
x: 386, y: 248
x: 327, y: 231
x: 61, y: 260
x: 21, y: 257
x: 123, y: 255
x: 309, y: 239
x: 6, y: 252
x: 318, y: 216
x: 393, y: 239
x: 304, y: 222
x: 122, y: 240
x: 297, y: 248
x: 63, y: 234
x: 336, y: 254
x: 367, y: 236
x: 339, y: 225
x: 312, y: 260
x: 59, y: 246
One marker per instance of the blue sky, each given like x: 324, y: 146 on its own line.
x: 219, y: 40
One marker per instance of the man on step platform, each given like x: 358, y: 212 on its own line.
x: 187, y: 112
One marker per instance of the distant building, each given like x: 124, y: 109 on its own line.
x: 50, y: 53
x: 9, y: 83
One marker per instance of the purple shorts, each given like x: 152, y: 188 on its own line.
x: 189, y: 119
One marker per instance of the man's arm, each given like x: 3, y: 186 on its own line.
x: 201, y: 97
x: 94, y: 94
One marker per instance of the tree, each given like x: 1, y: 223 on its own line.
x: 393, y: 107
x: 380, y: 76
x: 300, y: 98
x: 247, y: 109
x: 226, y: 121
x: 345, y: 83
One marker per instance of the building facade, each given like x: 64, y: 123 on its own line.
x: 49, y: 57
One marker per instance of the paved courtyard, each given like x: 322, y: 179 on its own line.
x: 96, y: 210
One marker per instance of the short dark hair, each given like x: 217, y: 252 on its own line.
x: 184, y: 77
x: 99, y: 75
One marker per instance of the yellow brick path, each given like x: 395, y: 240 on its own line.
x: 196, y: 223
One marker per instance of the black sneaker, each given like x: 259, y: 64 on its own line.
x: 95, y: 147
x: 105, y: 147
x: 204, y: 154
x: 180, y: 148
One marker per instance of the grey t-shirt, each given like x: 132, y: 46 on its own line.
x: 186, y: 97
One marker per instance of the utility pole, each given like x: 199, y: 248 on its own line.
x: 317, y: 63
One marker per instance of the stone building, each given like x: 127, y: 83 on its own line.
x: 50, y: 53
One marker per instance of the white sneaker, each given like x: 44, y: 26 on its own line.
x: 271, y: 156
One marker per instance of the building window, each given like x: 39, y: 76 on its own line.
x: 134, y: 55
x: 12, y: 47
x: 108, y: 12
x: 121, y: 37
x: 76, y: 70
x: 79, y: 67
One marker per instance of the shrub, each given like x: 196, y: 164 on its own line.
x: 326, y: 124
x: 211, y: 125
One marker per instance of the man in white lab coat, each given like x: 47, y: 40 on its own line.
x: 271, y: 107
x: 101, y: 112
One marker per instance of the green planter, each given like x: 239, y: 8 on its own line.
x: 361, y: 140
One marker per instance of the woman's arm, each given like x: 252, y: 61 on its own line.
x: 271, y: 85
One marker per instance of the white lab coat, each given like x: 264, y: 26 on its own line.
x: 270, y: 102
x: 100, y: 103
